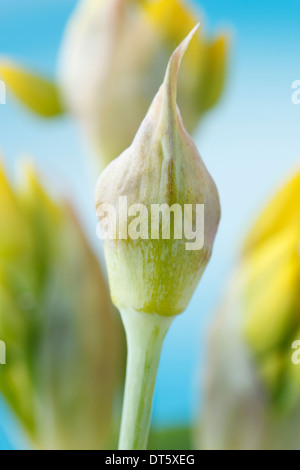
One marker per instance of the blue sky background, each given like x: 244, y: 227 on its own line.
x: 249, y: 143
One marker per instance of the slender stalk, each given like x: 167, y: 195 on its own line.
x: 145, y: 336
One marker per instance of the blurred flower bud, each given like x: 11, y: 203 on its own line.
x: 56, y: 320
x: 253, y: 386
x: 111, y: 64
x: 153, y: 265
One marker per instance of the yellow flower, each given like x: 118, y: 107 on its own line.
x: 282, y: 212
x: 263, y: 316
x: 202, y: 80
x: 56, y: 320
x: 111, y: 63
x: 271, y: 292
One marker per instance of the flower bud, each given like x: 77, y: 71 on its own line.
x: 153, y: 265
x: 112, y: 61
x: 253, y: 386
x: 56, y: 319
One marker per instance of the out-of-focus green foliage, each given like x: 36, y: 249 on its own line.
x: 112, y: 62
x: 253, y: 387
x: 177, y: 438
x: 272, y: 293
x: 170, y: 438
x: 62, y: 340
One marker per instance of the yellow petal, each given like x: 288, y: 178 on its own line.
x: 33, y: 194
x: 215, y: 72
x: 37, y: 93
x: 284, y: 209
x: 13, y: 230
x: 272, y: 278
x: 173, y: 21
x: 171, y: 17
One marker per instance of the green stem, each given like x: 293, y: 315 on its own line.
x: 145, y: 336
